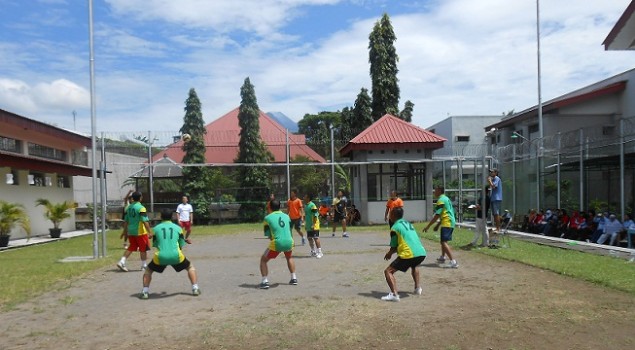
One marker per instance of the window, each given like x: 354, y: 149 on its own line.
x: 46, y: 152
x: 533, y: 129
x: 36, y: 179
x: 462, y: 139
x: 608, y: 130
x: 12, y: 178
x: 407, y: 179
x: 10, y: 145
x: 63, y: 181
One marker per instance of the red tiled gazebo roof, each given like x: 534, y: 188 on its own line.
x: 390, y: 132
x: 223, y: 136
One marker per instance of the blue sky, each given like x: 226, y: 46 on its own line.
x: 457, y: 57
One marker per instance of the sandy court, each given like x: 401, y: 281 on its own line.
x: 485, y: 303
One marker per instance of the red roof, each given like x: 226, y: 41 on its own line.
x: 390, y: 132
x: 223, y: 136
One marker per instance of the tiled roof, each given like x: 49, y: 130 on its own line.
x: 223, y: 136
x: 390, y: 132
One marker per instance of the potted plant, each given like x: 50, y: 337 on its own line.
x: 12, y: 215
x: 56, y: 212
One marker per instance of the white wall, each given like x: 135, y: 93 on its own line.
x: 26, y: 195
x: 414, y: 211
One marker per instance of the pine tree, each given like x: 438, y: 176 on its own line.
x: 362, y: 113
x: 383, y: 69
x: 406, y: 114
x: 254, y: 180
x: 195, y: 178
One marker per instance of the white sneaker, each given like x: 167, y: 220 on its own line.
x: 313, y: 253
x: 122, y: 266
x: 391, y: 297
x: 319, y: 255
x: 143, y: 268
x: 418, y: 291
x: 441, y: 259
x: 345, y: 235
x: 454, y: 264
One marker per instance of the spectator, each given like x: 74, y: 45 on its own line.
x: 548, y: 222
x: 563, y: 223
x: 599, y: 220
x: 612, y: 227
x: 585, y: 229
x: 627, y: 225
x: 535, y: 223
x: 496, y: 196
x: 529, y: 218
x: 354, y: 216
x: 574, y: 223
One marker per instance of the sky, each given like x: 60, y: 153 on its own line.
x: 456, y: 57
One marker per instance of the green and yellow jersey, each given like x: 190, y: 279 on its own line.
x: 278, y: 229
x: 404, y: 237
x: 135, y: 217
x: 311, y: 217
x: 445, y: 210
x: 168, y: 240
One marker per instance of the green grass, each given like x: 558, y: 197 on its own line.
x: 30, y: 271
x: 602, y: 270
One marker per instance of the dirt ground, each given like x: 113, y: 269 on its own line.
x: 484, y: 304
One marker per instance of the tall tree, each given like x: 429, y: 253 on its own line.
x: 362, y: 113
x: 195, y: 178
x: 254, y: 180
x: 406, y: 113
x: 383, y: 69
x: 317, y: 129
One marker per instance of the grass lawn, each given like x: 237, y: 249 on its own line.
x: 30, y: 271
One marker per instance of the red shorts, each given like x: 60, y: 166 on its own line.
x: 139, y: 243
x: 187, y: 225
x: 272, y: 254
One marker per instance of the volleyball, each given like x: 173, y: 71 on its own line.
x: 186, y: 137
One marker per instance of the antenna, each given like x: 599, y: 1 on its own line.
x: 74, y: 123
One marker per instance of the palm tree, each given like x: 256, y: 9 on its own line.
x: 56, y: 212
x: 12, y: 215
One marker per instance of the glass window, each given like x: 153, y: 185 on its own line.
x: 46, y: 152
x: 63, y: 181
x: 407, y: 179
x: 36, y: 179
x: 10, y: 145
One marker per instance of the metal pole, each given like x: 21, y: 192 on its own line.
x: 514, y: 179
x: 558, y: 171
x: 540, y: 126
x: 150, y: 172
x: 102, y: 193
x: 581, y: 204
x: 93, y: 126
x: 332, y: 163
x: 288, y: 151
x: 622, y: 165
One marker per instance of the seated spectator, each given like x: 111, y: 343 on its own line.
x: 627, y: 225
x: 547, y: 224
x: 574, y: 222
x: 324, y: 211
x: 531, y: 215
x: 585, y: 228
x: 354, y: 216
x: 533, y: 223
x: 563, y: 223
x: 599, y: 220
x: 612, y: 228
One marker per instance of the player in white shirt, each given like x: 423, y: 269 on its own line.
x: 186, y: 216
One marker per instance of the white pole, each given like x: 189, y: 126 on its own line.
x: 288, y: 151
x: 150, y: 172
x: 540, y: 129
x: 102, y: 193
x: 332, y: 163
x: 93, y: 127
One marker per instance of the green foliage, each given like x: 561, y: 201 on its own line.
x: 598, y: 205
x: 362, y: 116
x: 196, y: 179
x: 309, y: 179
x: 254, y: 180
x: 55, y: 212
x: 317, y: 129
x: 406, y: 113
x: 383, y: 69
x: 13, y: 215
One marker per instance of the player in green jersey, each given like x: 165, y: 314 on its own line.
x: 405, y: 241
x: 312, y: 225
x: 137, y: 229
x: 443, y: 210
x: 168, y: 240
x: 278, y: 229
